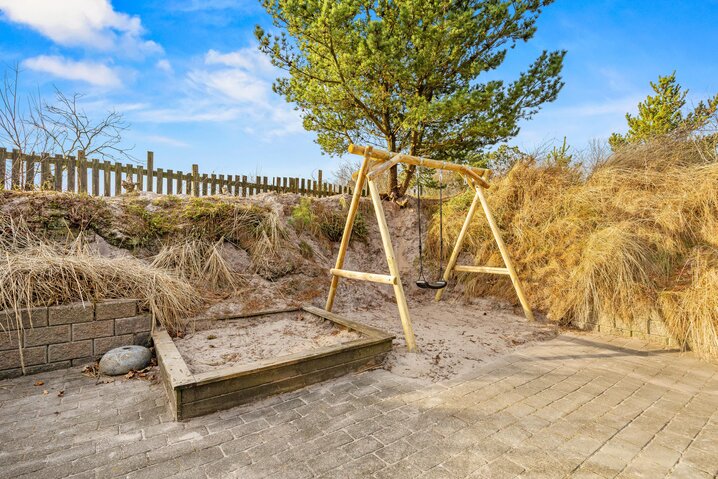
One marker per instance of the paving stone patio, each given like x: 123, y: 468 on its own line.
x: 575, y: 406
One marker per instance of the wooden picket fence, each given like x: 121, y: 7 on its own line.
x: 104, y: 178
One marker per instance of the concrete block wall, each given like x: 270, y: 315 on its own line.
x: 651, y: 329
x: 69, y: 335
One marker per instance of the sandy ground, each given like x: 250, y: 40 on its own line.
x: 453, y: 336
x: 217, y: 344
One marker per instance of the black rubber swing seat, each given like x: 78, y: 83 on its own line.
x: 423, y: 284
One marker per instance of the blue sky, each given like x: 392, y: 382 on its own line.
x: 187, y: 76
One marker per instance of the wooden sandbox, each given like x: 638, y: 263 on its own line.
x: 202, y: 393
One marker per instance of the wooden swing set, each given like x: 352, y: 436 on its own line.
x: 375, y: 163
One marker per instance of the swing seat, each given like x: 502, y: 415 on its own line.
x: 423, y: 284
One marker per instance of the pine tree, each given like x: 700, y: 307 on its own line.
x: 663, y: 113
x: 406, y: 74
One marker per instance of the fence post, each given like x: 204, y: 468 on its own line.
x: 3, y: 165
x: 118, y: 178
x: 29, y: 182
x: 195, y: 180
x: 160, y: 180
x: 45, y: 171
x: 106, y: 181
x: 179, y: 175
x: 81, y: 172
x: 15, y: 169
x: 150, y: 169
x: 59, y: 160
x: 244, y: 185
x: 170, y: 185
x: 95, y: 177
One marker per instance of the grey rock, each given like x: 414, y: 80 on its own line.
x: 123, y: 359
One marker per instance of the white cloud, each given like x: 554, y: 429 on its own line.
x: 164, y: 65
x: 166, y: 140
x: 244, y: 58
x: 89, y: 23
x: 232, y: 87
x: 93, y: 73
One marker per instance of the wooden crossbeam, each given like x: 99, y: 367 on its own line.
x: 374, y: 278
x: 480, y: 269
x: 376, y: 154
x: 382, y: 167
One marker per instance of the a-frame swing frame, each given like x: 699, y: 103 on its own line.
x: 375, y: 163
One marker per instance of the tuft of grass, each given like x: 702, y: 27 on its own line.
x: 324, y: 220
x: 627, y: 239
x: 35, y: 272
x: 198, y: 261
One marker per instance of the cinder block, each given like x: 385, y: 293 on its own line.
x: 83, y: 361
x: 11, y: 359
x: 49, y: 335
x: 73, y: 350
x: 116, y: 308
x: 103, y: 345
x: 136, y: 324
x: 42, y: 368
x: 8, y: 340
x: 93, y: 329
x: 70, y: 313
x: 31, y: 318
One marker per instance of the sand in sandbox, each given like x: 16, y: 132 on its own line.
x: 222, y: 343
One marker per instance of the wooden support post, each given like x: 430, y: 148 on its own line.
x: 213, y: 185
x: 170, y: 179
x: 393, y: 267
x: 179, y: 176
x: 459, y: 244
x: 244, y: 185
x: 348, y: 226
x: 150, y: 170
x: 505, y: 254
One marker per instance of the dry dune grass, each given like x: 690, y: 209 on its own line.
x: 198, y: 261
x: 635, y: 238
x: 34, y: 272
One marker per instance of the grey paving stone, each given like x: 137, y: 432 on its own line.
x: 569, y: 407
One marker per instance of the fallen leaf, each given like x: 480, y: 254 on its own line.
x: 130, y: 375
x: 61, y: 394
x: 45, y: 392
x: 39, y: 383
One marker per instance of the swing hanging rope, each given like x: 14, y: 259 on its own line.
x: 422, y: 282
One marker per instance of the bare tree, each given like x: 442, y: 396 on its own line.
x: 68, y: 128
x: 30, y: 124
x: 16, y: 131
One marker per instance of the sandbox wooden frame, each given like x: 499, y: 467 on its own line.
x: 194, y: 395
x: 380, y: 161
